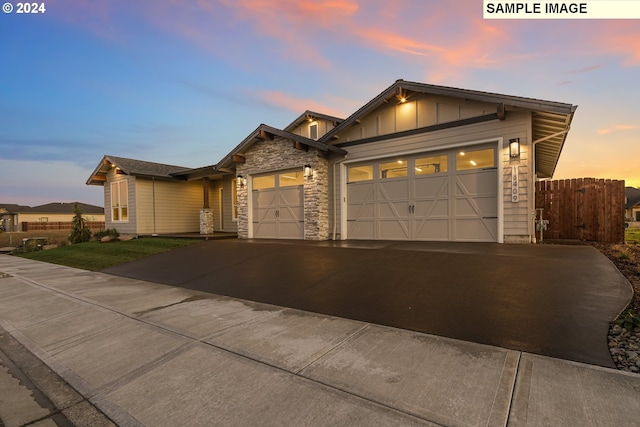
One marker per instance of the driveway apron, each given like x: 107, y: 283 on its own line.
x: 552, y: 300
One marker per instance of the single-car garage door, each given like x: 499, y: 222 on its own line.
x: 448, y: 196
x: 278, y: 205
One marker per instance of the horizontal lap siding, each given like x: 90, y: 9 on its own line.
x: 517, y: 125
x: 177, y: 206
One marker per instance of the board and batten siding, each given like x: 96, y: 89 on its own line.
x: 324, y: 126
x: 516, y: 216
x: 177, y: 206
x: 419, y: 112
x: 124, y: 227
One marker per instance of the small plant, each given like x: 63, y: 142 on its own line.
x: 624, y: 254
x: 629, y: 320
x: 30, y: 245
x: 80, y: 233
x: 111, y: 232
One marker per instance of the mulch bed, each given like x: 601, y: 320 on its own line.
x: 627, y: 259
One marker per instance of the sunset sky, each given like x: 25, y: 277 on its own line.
x: 184, y: 81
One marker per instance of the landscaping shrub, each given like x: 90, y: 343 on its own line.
x: 80, y: 233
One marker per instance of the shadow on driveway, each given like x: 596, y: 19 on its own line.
x: 554, y: 300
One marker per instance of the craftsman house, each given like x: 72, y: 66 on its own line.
x: 417, y: 162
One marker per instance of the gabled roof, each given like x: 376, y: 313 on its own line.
x: 263, y: 132
x: 633, y: 197
x: 135, y: 168
x: 551, y: 119
x: 65, y: 208
x: 310, y: 116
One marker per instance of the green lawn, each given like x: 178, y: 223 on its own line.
x: 96, y: 256
x: 632, y: 235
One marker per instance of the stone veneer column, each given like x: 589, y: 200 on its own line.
x: 277, y: 155
x: 243, y: 209
x: 206, y: 221
x: 316, y: 201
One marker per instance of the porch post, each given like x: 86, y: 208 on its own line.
x: 206, y: 213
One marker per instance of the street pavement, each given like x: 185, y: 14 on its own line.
x: 130, y: 352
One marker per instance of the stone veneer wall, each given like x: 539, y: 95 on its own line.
x: 279, y: 154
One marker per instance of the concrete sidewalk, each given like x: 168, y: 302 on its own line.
x: 149, y: 354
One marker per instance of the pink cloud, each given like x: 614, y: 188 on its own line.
x: 298, y: 105
x: 606, y: 131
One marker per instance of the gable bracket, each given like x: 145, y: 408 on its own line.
x: 263, y: 134
x: 501, y: 111
x: 300, y: 146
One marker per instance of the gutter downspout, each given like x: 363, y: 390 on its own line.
x: 335, y: 200
x: 533, y: 152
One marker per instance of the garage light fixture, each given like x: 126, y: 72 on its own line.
x: 401, y: 95
x: 514, y: 148
x: 242, y: 181
x: 308, y: 172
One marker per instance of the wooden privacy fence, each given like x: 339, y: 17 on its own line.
x: 584, y: 209
x: 59, y: 225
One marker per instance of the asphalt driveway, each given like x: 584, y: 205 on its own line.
x: 553, y: 300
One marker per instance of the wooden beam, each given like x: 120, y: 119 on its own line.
x: 205, y: 193
x: 237, y: 158
x: 300, y: 146
x: 502, y: 113
x: 265, y: 135
x: 99, y: 178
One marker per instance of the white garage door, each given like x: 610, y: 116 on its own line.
x: 448, y: 196
x: 278, y: 205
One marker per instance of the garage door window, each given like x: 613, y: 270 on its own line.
x: 292, y: 178
x: 431, y: 165
x: 480, y: 159
x: 361, y: 173
x: 263, y: 182
x: 395, y: 169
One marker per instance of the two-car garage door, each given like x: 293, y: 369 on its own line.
x: 447, y: 196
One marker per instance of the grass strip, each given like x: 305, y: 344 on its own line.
x: 95, y: 256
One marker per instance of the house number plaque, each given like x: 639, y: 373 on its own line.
x: 515, y: 197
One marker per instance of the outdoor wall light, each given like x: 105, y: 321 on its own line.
x: 308, y: 172
x: 242, y: 181
x: 514, y: 148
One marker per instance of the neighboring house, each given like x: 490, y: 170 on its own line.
x: 632, y: 207
x: 9, y: 216
x: 417, y: 162
x: 13, y: 216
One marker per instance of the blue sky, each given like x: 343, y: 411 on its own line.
x: 183, y: 82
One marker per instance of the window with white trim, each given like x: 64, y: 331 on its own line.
x: 313, y: 131
x: 119, y: 201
